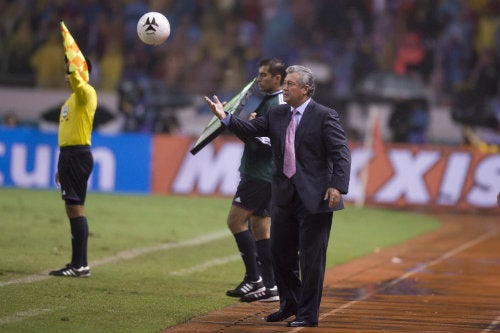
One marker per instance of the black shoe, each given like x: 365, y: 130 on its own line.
x: 268, y: 295
x: 302, y: 323
x: 247, y: 288
x: 71, y: 271
x: 280, y: 315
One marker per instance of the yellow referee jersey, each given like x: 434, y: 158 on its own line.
x: 77, y: 113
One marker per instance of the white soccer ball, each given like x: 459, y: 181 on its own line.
x: 153, y: 28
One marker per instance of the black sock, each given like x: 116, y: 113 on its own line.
x: 79, y: 237
x: 266, y: 264
x: 246, y: 245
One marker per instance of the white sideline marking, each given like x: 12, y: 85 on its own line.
x: 420, y: 268
x: 127, y: 255
x: 493, y: 326
x: 20, y: 316
x: 206, y: 265
x: 131, y: 254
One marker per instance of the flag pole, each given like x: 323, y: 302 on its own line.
x: 368, y: 148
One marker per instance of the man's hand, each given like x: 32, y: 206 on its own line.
x: 216, y: 106
x: 333, y: 196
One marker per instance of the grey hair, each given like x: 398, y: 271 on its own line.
x: 305, y: 76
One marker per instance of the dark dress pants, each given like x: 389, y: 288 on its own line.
x: 298, y: 235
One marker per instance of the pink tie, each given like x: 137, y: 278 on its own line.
x: 289, y: 156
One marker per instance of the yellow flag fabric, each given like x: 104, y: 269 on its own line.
x: 76, y: 60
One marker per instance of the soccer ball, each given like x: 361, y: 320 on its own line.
x: 153, y: 28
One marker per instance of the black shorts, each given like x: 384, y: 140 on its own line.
x: 254, y: 195
x: 74, y: 168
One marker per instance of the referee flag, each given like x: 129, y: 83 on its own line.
x: 234, y: 106
x: 76, y: 60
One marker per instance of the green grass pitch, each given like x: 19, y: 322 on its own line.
x: 156, y: 260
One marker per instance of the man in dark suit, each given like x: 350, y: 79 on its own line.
x: 303, y: 198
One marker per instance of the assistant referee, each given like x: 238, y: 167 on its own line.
x: 75, y: 165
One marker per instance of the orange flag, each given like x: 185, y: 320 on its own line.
x: 76, y: 60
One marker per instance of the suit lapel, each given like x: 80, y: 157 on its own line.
x: 307, y: 116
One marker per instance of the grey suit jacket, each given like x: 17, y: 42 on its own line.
x: 322, y: 154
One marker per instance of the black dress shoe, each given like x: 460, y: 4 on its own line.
x: 302, y: 323
x: 280, y: 315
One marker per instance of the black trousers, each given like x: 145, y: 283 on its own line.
x: 297, y: 236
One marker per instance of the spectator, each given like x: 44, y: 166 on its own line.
x: 133, y: 116
x: 111, y: 66
x: 49, y: 72
x: 10, y: 120
x: 419, y: 122
x: 399, y: 121
x: 487, y: 24
x: 456, y: 52
x: 410, y: 53
x: 485, y: 76
x: 20, y: 46
x: 409, y: 121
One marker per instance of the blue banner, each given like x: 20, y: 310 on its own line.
x: 122, y: 163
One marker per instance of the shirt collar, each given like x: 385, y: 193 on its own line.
x: 274, y: 93
x: 302, y: 107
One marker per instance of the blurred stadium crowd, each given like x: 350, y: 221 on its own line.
x: 453, y: 46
